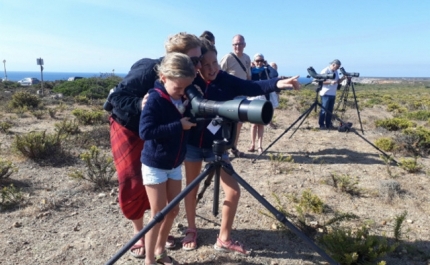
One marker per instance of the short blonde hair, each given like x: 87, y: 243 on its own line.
x: 182, y: 42
x: 176, y: 65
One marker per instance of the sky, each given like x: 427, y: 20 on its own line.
x: 384, y: 38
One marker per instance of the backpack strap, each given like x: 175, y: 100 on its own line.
x: 240, y: 62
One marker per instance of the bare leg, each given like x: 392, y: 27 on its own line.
x: 253, y: 135
x: 260, y: 133
x: 239, y: 126
x: 232, y: 195
x: 137, y: 226
x: 192, y: 170
x: 157, y: 199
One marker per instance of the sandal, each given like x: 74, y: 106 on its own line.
x: 170, y: 243
x: 190, y: 239
x: 230, y: 246
x: 163, y: 255
x: 237, y: 153
x: 251, y: 149
x: 137, y: 256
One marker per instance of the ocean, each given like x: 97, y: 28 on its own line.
x: 52, y: 76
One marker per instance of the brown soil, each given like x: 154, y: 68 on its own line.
x: 64, y: 221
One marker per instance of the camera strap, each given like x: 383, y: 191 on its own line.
x: 240, y: 62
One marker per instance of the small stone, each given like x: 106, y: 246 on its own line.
x: 179, y: 225
x: 101, y: 195
x: 409, y: 221
x: 74, y: 213
x: 17, y: 224
x: 313, y: 223
x: 274, y: 226
x: 112, y: 203
x: 384, y: 222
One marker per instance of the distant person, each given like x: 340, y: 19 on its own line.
x: 126, y: 101
x: 261, y: 71
x: 164, y: 126
x: 237, y: 63
x: 209, y: 36
x: 328, y: 95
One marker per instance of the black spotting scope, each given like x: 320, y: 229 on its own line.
x: 345, y: 73
x: 253, y: 111
x: 314, y: 74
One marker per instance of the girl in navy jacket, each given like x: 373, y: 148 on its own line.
x: 164, y: 127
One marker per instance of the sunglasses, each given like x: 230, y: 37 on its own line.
x: 259, y: 61
x: 196, y: 59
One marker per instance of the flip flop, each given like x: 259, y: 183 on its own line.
x: 137, y: 256
x: 251, y: 149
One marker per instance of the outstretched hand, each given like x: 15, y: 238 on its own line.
x: 186, y: 124
x: 289, y: 83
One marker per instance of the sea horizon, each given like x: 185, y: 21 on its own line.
x: 54, y: 76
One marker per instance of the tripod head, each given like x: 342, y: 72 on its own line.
x: 320, y: 78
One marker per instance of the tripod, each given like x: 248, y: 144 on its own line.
x: 343, y: 99
x: 305, y: 114
x: 219, y: 148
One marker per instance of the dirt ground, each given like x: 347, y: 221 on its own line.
x: 64, y: 221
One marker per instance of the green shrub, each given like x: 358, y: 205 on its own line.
x: 421, y: 115
x: 52, y: 112
x: 38, y: 145
x: 396, y: 108
x: 394, y: 124
x: 5, y: 126
x: 398, y: 225
x: 10, y: 196
x: 355, y: 247
x: 89, y: 117
x: 100, y: 169
x: 410, y: 165
x: 24, y: 99
x: 92, y: 88
x: 38, y: 114
x: 310, y: 202
x: 346, y: 183
x: 6, y: 169
x: 419, y: 138
x: 67, y: 127
x: 385, y: 143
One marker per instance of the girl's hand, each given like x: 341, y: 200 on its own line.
x: 186, y: 124
x: 145, y: 98
x: 289, y: 83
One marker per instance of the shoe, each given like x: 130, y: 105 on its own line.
x: 230, y: 246
x: 190, y: 239
x: 170, y: 243
x: 137, y: 256
x: 322, y: 128
x: 237, y: 153
x: 251, y: 149
x: 159, y: 259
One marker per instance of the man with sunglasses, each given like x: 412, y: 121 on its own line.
x: 237, y: 63
x: 126, y: 101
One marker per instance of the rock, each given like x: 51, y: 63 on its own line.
x: 101, y: 195
x: 17, y: 224
x: 384, y: 222
x: 410, y: 221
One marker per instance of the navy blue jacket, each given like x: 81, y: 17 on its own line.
x: 128, y: 94
x: 225, y: 87
x: 161, y: 129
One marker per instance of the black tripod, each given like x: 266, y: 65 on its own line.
x: 347, y: 126
x: 343, y: 99
x: 219, y: 148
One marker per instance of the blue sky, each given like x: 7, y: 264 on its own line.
x: 376, y: 38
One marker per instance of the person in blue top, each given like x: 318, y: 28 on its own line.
x: 260, y: 71
x: 219, y: 86
x: 164, y: 126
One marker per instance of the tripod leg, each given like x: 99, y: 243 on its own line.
x: 300, y: 124
x: 356, y: 106
x: 160, y: 215
x: 306, y: 113
x: 279, y: 216
x: 206, y: 184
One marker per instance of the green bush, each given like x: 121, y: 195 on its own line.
x: 38, y: 145
x: 5, y: 126
x: 93, y: 88
x: 10, y: 196
x: 355, y: 247
x: 24, y: 99
x: 421, y: 115
x: 394, y: 124
x: 410, y: 165
x: 420, y: 138
x: 89, y: 117
x: 310, y: 202
x: 100, y: 169
x: 6, y: 169
x: 385, y: 143
x: 67, y: 127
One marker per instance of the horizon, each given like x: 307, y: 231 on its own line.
x: 386, y: 40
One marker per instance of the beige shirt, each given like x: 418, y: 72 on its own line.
x: 231, y: 65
